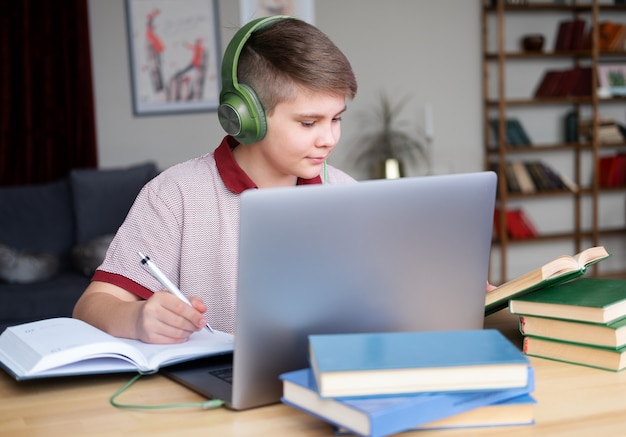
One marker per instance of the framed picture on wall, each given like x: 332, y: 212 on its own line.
x: 174, y: 53
x: 250, y: 9
x: 612, y: 79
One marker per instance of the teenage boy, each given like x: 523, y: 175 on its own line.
x: 187, y: 218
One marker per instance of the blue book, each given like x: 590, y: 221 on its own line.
x: 517, y: 411
x: 381, y: 416
x: 390, y: 363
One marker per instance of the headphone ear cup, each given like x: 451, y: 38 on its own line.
x: 256, y: 123
x: 242, y: 115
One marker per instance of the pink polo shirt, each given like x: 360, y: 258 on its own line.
x: 187, y: 221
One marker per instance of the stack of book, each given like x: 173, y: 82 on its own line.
x: 582, y: 321
x: 563, y: 83
x: 611, y: 36
x: 514, y: 132
x: 612, y: 170
x: 527, y: 177
x: 559, y: 270
x: 570, y: 35
x: 518, y: 225
x: 377, y: 384
x: 609, y: 131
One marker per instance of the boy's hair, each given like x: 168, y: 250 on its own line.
x: 291, y: 55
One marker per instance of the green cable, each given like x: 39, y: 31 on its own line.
x: 206, y: 405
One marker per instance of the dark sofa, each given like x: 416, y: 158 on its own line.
x: 53, y: 236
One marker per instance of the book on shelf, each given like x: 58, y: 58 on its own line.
x: 611, y: 36
x: 608, y: 130
x: 571, y: 127
x: 617, y: 38
x: 535, y: 176
x: 612, y: 170
x: 512, y: 186
x: 524, y: 179
x: 583, y: 84
x: 574, y: 353
x: 381, y: 416
x: 568, y: 82
x: 549, y: 84
x: 562, y: 83
x: 578, y: 35
x: 368, y: 364
x: 518, y: 225
x: 595, y: 300
x: 516, y: 411
x: 617, y: 174
x: 515, y: 134
x: 566, y: 181
x: 605, y: 163
x: 570, y: 35
x: 546, y: 177
x: 540, y: 177
x: 558, y: 270
x: 610, y: 335
x: 519, y: 133
x: 65, y: 346
x: 564, y: 33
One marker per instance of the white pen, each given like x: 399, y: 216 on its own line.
x: 156, y: 272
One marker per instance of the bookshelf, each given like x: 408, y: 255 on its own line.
x: 511, y: 76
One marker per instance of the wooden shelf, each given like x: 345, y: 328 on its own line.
x: 585, y: 154
x: 563, y: 236
x: 539, y: 148
x: 492, y: 56
x: 562, y: 7
x: 570, y: 100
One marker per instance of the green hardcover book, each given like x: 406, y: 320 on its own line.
x: 586, y: 355
x: 508, y: 136
x: 610, y: 335
x: 571, y: 127
x: 518, y: 132
x: 595, y: 300
x: 558, y: 270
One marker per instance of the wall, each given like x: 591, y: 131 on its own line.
x: 428, y: 49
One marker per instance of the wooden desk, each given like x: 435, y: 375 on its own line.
x: 572, y: 401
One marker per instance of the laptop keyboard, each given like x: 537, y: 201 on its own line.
x: 225, y: 374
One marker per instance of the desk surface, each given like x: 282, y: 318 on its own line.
x: 572, y: 401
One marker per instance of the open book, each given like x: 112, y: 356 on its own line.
x: 65, y: 346
x: 556, y: 271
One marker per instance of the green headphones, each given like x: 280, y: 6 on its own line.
x: 240, y: 112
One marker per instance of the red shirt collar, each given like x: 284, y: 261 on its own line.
x: 235, y: 179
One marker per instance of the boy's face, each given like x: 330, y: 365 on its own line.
x: 301, y: 134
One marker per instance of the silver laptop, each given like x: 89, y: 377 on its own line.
x: 409, y: 254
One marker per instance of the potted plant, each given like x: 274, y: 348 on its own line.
x: 384, y: 146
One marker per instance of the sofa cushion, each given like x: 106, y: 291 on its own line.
x: 25, y: 266
x: 87, y: 256
x: 37, y: 217
x: 55, y: 297
x: 103, y: 197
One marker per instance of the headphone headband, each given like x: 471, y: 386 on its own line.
x: 240, y: 112
x: 231, y: 55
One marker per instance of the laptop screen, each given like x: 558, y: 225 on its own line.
x: 410, y: 254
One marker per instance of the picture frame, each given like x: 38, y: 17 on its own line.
x: 612, y: 80
x: 174, y: 55
x: 250, y: 9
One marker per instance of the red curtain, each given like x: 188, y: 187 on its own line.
x: 47, y: 122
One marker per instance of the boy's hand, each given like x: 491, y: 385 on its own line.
x: 166, y: 319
